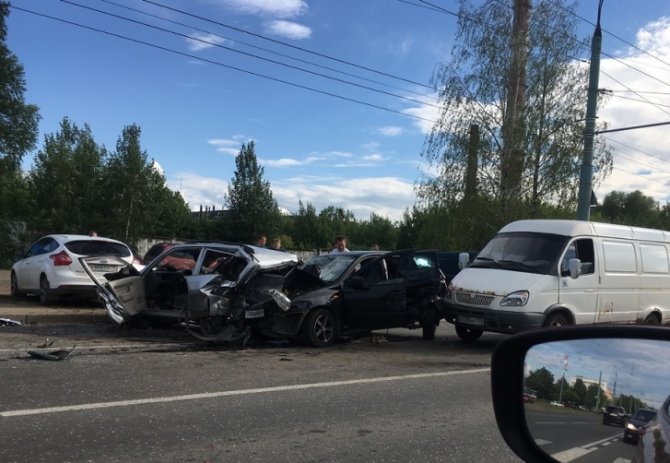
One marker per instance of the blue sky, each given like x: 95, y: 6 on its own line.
x: 638, y: 367
x: 195, y: 111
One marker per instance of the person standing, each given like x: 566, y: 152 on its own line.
x: 262, y: 240
x: 340, y: 244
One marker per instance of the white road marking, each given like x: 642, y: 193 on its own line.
x: 572, y: 454
x: 211, y: 395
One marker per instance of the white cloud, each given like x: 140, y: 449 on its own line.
x: 390, y: 131
x: 374, y: 158
x: 201, y: 41
x: 278, y: 8
x: 199, y: 191
x: 288, y: 29
x: 641, y: 159
x: 229, y: 146
x: 385, y: 196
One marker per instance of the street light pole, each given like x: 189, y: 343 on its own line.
x: 586, y: 172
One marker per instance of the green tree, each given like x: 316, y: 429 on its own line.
x: 18, y: 135
x: 136, y: 196
x: 338, y: 221
x: 308, y: 232
x: 633, y: 208
x: 18, y: 121
x: 524, y: 91
x: 65, y: 181
x: 542, y: 382
x: 252, y: 209
x: 579, y: 388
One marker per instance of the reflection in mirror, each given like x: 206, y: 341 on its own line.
x: 599, y: 399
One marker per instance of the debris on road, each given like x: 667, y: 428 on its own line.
x: 54, y: 355
x: 9, y: 322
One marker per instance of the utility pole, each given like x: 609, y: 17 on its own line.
x: 586, y: 172
x: 471, y: 170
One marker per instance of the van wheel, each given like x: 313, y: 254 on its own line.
x: 320, y: 327
x: 468, y: 334
x: 652, y: 319
x: 555, y: 320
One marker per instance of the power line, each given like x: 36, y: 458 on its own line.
x: 627, y: 87
x: 260, y: 36
x: 274, y: 52
x: 639, y: 101
x: 613, y: 35
x: 228, y: 66
x: 252, y: 55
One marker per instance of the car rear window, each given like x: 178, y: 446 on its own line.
x: 97, y: 248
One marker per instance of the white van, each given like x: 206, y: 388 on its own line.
x: 537, y: 273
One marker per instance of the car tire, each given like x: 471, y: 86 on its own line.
x: 652, y: 319
x: 15, y: 291
x: 45, y: 290
x: 428, y: 325
x: 468, y: 334
x: 556, y: 319
x: 320, y: 327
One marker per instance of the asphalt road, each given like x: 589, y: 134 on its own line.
x: 402, y: 400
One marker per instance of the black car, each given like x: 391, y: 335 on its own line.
x: 614, y: 415
x: 636, y: 425
x: 338, y: 293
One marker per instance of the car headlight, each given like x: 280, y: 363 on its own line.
x: 631, y: 427
x: 515, y: 299
x: 281, y: 299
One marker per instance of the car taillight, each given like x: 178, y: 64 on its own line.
x: 61, y: 258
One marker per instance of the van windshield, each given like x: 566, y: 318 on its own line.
x: 522, y: 252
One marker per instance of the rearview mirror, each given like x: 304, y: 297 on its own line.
x: 463, y: 260
x: 560, y: 394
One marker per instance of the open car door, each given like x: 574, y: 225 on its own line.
x: 376, y: 295
x: 122, y: 292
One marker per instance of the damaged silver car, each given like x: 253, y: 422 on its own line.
x: 208, y: 287
x: 224, y: 293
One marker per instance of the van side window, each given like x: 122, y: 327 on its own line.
x: 582, y: 250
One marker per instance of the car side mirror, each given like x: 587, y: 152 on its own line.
x: 357, y: 282
x: 583, y: 369
x: 463, y: 260
x: 575, y: 266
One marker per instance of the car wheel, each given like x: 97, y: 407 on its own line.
x: 14, y: 286
x: 555, y: 320
x: 320, y: 327
x: 428, y: 325
x: 468, y: 334
x: 652, y: 319
x: 45, y: 290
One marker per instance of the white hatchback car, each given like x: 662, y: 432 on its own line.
x: 51, y: 266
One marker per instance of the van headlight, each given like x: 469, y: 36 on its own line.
x: 515, y: 299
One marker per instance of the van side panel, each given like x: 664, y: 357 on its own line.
x: 619, y: 287
x: 655, y: 272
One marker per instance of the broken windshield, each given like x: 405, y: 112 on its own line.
x: 329, y: 267
x: 522, y: 252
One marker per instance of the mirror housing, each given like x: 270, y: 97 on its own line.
x: 463, y: 260
x: 508, y: 364
x: 575, y: 266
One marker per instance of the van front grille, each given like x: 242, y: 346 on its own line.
x: 473, y: 299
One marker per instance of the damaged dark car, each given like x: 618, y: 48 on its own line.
x: 228, y: 292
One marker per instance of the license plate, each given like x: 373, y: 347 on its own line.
x: 259, y: 313
x: 471, y: 321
